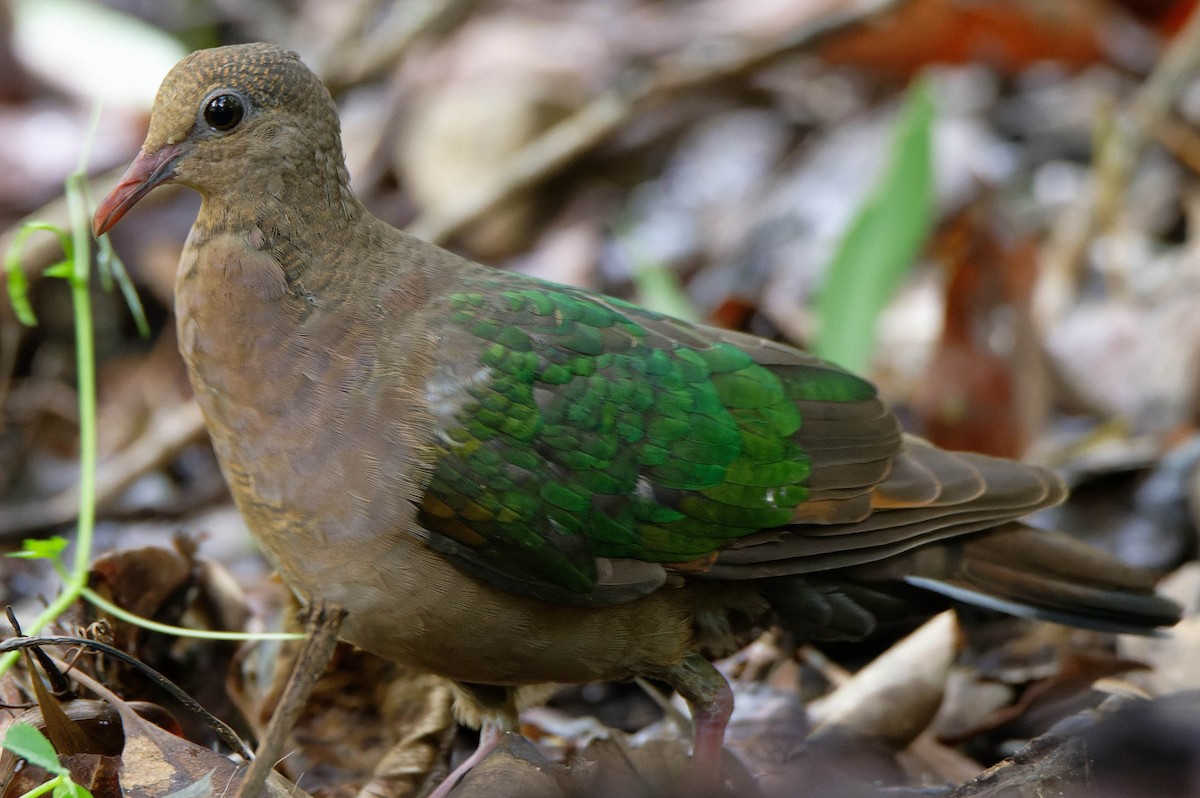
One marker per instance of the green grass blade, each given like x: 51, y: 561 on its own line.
x: 658, y: 289
x: 111, y: 264
x: 882, y: 242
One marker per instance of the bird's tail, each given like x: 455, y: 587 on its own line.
x: 1034, y: 573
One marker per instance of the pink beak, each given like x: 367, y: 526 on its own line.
x: 148, y: 170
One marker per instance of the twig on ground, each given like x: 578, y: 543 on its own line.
x: 600, y: 118
x: 358, y: 55
x: 324, y: 621
x: 1118, y: 146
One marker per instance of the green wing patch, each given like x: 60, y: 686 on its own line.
x: 594, y: 435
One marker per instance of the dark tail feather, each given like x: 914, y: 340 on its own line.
x: 1037, y: 574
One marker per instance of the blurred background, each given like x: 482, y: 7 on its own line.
x: 709, y: 158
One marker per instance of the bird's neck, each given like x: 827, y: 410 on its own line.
x: 300, y: 221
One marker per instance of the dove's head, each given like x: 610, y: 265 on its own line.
x: 247, y: 120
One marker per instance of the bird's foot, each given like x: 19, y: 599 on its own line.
x: 711, y: 700
x: 490, y: 735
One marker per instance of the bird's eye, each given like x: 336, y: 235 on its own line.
x: 224, y: 112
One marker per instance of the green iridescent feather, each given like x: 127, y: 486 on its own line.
x: 598, y: 434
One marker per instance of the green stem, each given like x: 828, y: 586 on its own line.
x: 79, y: 254
x: 155, y: 626
x: 44, y: 787
x: 85, y: 360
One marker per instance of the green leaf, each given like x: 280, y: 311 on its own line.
x: 882, y: 242
x: 62, y: 269
x: 42, y: 548
x: 31, y: 745
x: 18, y: 286
x: 18, y: 291
x: 111, y: 264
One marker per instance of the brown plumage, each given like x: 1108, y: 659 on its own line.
x: 340, y: 365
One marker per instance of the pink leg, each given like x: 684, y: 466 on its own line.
x: 711, y: 701
x: 489, y: 737
x: 708, y: 740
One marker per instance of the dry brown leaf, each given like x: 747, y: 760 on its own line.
x: 896, y: 696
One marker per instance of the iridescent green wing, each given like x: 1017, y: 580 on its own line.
x: 580, y: 438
